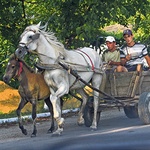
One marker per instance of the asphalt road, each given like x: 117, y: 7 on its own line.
x: 115, y: 132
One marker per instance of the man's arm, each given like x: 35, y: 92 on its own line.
x: 125, y: 59
x: 114, y: 63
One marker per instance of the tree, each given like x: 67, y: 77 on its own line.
x: 76, y: 22
x: 80, y: 21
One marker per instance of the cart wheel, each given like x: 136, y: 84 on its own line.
x: 144, y: 107
x: 89, y: 112
x: 131, y: 111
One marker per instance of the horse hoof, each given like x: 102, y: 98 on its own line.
x: 50, y: 131
x: 80, y: 121
x: 24, y: 132
x: 93, y: 128
x: 56, y: 135
x: 58, y: 132
x: 33, y: 135
x: 80, y: 124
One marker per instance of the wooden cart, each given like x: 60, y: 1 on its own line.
x: 129, y: 90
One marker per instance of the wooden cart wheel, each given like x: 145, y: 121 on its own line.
x: 131, y: 111
x: 144, y: 107
x: 89, y: 112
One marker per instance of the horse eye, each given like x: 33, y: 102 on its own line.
x: 30, y: 37
x: 13, y: 67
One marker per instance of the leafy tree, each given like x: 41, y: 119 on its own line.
x: 80, y: 21
x: 76, y: 23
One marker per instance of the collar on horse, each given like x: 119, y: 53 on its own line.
x: 88, y: 57
x: 20, y: 68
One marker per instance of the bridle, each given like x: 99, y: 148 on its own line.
x: 24, y: 46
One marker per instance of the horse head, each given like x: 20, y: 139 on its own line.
x: 12, y: 69
x: 28, y: 40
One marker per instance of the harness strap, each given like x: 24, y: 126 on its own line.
x: 89, y: 58
x: 76, y: 80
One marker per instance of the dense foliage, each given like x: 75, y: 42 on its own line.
x: 76, y: 22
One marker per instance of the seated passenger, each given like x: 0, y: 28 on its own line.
x: 132, y: 54
x: 112, y: 55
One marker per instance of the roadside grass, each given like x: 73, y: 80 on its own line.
x: 27, y: 110
x: 9, y: 101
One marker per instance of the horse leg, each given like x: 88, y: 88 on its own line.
x: 49, y: 104
x: 96, y: 82
x: 34, y: 118
x: 57, y: 116
x: 55, y: 99
x: 50, y: 107
x: 81, y: 111
x: 18, y: 111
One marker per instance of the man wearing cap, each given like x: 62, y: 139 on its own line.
x: 132, y: 53
x: 112, y: 55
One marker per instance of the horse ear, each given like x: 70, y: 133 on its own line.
x: 44, y: 27
x: 15, y: 57
x: 35, y: 36
x: 39, y: 24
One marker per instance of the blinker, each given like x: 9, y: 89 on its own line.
x: 35, y: 36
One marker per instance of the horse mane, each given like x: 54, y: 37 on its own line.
x: 50, y: 37
x: 13, y: 57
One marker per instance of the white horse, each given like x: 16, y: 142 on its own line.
x: 50, y: 51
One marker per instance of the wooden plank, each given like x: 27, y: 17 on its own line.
x: 120, y: 84
x: 144, y: 85
x: 127, y: 84
x: 137, y: 81
x: 146, y: 79
x: 115, y: 86
x: 132, y: 84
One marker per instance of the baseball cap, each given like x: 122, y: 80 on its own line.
x: 127, y: 31
x: 110, y: 39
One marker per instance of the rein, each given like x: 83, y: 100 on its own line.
x: 49, y: 66
x: 37, y: 53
